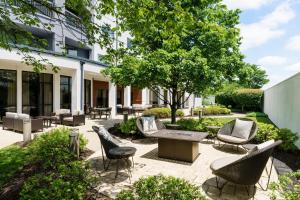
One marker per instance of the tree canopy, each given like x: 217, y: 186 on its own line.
x: 181, y: 46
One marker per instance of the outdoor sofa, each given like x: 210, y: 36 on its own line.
x: 15, y: 122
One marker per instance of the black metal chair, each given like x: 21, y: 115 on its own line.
x: 245, y: 170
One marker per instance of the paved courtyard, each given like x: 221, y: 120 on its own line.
x: 146, y: 162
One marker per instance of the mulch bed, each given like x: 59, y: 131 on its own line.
x: 114, y: 131
x: 12, y: 189
x: 291, y: 159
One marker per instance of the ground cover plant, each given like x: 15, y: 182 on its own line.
x: 45, y: 169
x: 213, y: 110
x: 162, y: 112
x: 161, y: 187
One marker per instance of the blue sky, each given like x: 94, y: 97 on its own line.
x: 271, y: 35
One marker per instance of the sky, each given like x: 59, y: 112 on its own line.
x: 270, y: 31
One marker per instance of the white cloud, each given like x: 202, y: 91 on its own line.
x: 270, y: 61
x: 267, y: 28
x: 294, y: 43
x: 294, y: 67
x: 246, y: 4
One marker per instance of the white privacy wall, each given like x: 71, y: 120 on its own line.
x: 282, y: 104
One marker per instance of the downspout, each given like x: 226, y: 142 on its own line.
x: 81, y: 84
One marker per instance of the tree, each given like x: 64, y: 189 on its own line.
x: 180, y: 46
x: 251, y: 76
x: 17, y: 15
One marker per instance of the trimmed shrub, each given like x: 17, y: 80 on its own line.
x: 162, y: 112
x: 70, y: 181
x: 129, y: 127
x: 161, y: 187
x: 287, y: 188
x: 190, y: 124
x: 256, y: 114
x: 248, y: 99
x: 52, y: 148
x: 226, y: 99
x: 213, y: 110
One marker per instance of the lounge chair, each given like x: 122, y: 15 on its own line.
x: 226, y: 133
x: 77, y: 118
x: 245, y: 170
x: 109, y: 144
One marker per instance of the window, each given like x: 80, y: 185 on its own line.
x: 37, y: 93
x: 8, y: 88
x: 65, y: 92
x: 129, y: 43
x: 107, y: 30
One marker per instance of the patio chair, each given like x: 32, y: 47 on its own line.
x: 245, y: 170
x: 225, y: 134
x: 109, y: 144
x: 106, y: 113
x: 77, y: 118
x: 60, y: 114
x: 139, y: 124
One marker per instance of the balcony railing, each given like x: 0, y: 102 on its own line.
x: 42, y: 9
x: 74, y: 21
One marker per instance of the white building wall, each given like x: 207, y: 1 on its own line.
x: 282, y: 104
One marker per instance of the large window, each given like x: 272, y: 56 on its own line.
x: 87, y: 93
x: 65, y: 92
x: 8, y: 88
x: 37, y: 93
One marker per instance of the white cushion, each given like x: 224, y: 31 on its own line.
x: 77, y: 112
x: 231, y: 139
x: 265, y: 144
x: 242, y: 129
x: 62, y: 111
x: 23, y: 116
x: 149, y: 124
x: 11, y: 115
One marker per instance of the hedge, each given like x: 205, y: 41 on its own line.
x: 249, y: 99
x: 162, y: 112
x: 212, y: 110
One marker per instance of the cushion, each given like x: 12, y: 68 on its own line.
x: 231, y: 139
x: 23, y: 116
x: 69, y: 119
x: 242, y: 129
x: 106, y: 135
x: 149, y: 124
x: 222, y: 162
x: 11, y: 115
x: 77, y: 112
x: 265, y: 144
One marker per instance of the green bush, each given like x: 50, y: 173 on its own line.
x: 212, y: 110
x: 190, y: 124
x: 287, y: 187
x: 256, y: 114
x: 226, y: 99
x: 70, y: 181
x: 269, y: 131
x: 12, y: 159
x: 52, y: 148
x: 161, y: 187
x: 162, y: 112
x: 129, y: 127
x: 248, y: 99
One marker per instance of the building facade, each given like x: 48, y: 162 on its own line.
x: 78, y: 83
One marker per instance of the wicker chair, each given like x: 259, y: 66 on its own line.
x: 139, y: 125
x: 224, y: 134
x: 74, y: 120
x: 245, y: 170
x: 106, y: 112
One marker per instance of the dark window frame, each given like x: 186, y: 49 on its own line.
x: 69, y: 86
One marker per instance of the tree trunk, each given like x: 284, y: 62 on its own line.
x: 173, y: 114
x: 174, y: 107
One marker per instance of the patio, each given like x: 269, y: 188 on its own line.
x: 146, y: 162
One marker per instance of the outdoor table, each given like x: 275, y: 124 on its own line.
x: 123, y: 153
x: 100, y: 110
x: 178, y: 144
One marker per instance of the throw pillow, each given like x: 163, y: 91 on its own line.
x: 149, y: 124
x: 242, y: 129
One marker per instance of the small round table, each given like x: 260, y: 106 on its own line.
x: 123, y: 153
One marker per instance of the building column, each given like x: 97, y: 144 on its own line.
x: 82, y: 86
x: 112, y: 98
x: 160, y: 95
x: 127, y: 96
x: 76, y: 90
x: 92, y: 92
x: 144, y: 96
x: 56, y: 92
x: 19, y: 90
